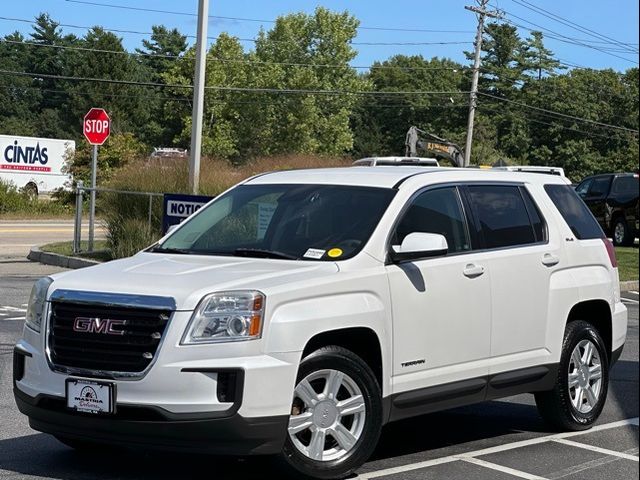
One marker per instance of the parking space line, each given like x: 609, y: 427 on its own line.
x: 501, y: 468
x: 407, y: 468
x: 496, y: 449
x: 537, y: 440
x: 593, y: 448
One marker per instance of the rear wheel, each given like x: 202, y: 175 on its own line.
x: 31, y: 190
x: 336, y: 415
x: 578, y: 397
x: 622, y: 235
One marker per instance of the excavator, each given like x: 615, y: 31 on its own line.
x: 437, y: 146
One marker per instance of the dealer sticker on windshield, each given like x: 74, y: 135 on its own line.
x: 314, y: 253
x: 91, y: 397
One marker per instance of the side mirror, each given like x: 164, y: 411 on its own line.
x: 172, y: 228
x: 419, y: 245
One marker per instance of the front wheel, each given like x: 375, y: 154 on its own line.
x: 578, y: 397
x: 336, y: 415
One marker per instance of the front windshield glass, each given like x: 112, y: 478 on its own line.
x: 311, y: 222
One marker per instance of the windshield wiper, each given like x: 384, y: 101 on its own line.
x: 262, y: 253
x: 160, y: 249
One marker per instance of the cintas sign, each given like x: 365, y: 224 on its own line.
x: 96, y: 126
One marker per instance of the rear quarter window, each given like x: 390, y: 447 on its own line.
x: 628, y: 185
x: 574, y: 211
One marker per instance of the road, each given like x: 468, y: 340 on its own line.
x: 503, y: 439
x: 17, y: 237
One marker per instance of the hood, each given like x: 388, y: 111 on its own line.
x: 187, y: 278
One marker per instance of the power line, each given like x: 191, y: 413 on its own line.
x: 559, y: 114
x: 226, y: 60
x: 491, y: 108
x: 233, y: 89
x: 575, y: 26
x: 558, y: 36
x: 313, y: 92
x: 252, y: 40
x: 255, y: 20
x: 217, y: 102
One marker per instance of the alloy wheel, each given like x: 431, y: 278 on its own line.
x: 585, y: 376
x: 327, y: 416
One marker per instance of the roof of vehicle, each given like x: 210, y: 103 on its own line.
x: 389, y: 177
x: 386, y: 161
x: 533, y: 168
x: 615, y: 174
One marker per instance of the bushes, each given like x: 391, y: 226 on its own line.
x: 127, y: 216
x: 17, y: 203
x: 127, y: 236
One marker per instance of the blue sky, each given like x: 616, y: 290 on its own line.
x: 614, y: 18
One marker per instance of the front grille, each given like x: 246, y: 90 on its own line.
x: 131, y: 352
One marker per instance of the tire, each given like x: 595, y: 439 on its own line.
x: 622, y: 234
x: 356, y: 382
x: 31, y: 191
x: 564, y: 407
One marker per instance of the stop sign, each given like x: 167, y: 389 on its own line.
x: 96, y: 126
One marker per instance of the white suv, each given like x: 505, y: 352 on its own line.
x: 300, y: 311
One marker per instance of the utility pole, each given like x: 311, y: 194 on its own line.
x: 198, y: 96
x: 473, y: 97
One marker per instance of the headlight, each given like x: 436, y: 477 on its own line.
x: 226, y: 316
x: 37, y: 301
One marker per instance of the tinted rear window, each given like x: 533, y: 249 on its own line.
x: 502, y: 214
x: 626, y: 185
x: 574, y: 211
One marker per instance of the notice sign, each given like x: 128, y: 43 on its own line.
x: 265, y: 212
x: 178, y: 207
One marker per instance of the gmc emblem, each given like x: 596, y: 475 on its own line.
x: 98, y: 325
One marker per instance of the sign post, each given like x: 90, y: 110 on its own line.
x: 96, y: 128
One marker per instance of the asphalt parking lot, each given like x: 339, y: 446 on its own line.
x: 503, y: 439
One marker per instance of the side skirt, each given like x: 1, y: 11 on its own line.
x: 470, y: 391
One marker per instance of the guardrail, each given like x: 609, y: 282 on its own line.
x: 77, y: 228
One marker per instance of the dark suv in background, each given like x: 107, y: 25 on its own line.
x: 613, y: 200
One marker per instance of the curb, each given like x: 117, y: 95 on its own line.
x: 631, y: 285
x: 57, y: 260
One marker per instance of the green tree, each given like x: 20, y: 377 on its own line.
x: 128, y: 104
x: 389, y: 117
x: 307, y: 123
x: 538, y: 59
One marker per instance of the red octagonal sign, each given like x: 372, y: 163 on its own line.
x: 96, y: 126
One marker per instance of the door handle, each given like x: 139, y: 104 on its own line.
x: 550, y: 260
x: 473, y: 271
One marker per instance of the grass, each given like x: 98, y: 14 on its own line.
x: 100, y: 252
x: 15, y: 204
x: 627, y: 263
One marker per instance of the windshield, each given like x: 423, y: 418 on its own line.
x: 311, y: 222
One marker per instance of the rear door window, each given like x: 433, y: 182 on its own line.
x: 574, y: 211
x: 502, y: 215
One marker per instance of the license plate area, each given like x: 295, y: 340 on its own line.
x: 89, y: 396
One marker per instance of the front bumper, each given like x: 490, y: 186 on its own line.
x: 153, y: 428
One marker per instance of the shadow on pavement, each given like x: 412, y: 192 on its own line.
x: 430, y: 436
x: 42, y: 455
